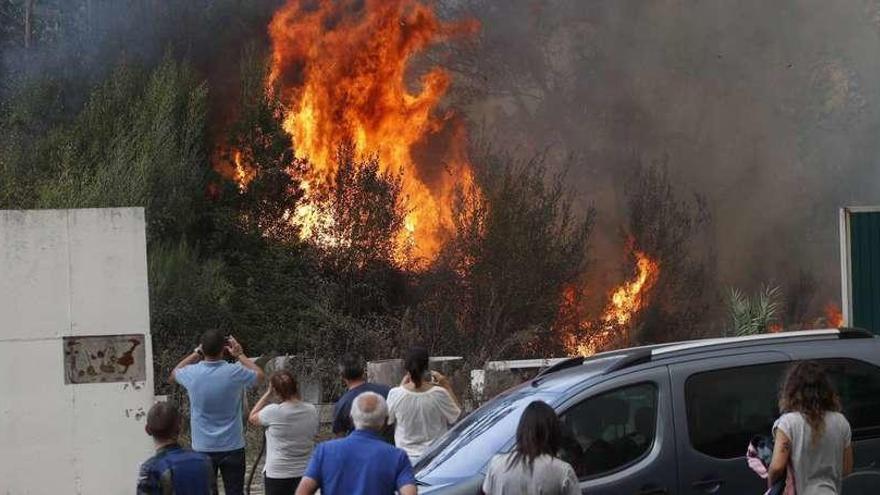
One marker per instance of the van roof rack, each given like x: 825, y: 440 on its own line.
x: 562, y: 365
x: 637, y: 355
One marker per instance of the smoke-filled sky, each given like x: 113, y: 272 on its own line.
x: 768, y: 109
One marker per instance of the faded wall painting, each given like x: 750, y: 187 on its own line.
x: 104, y: 358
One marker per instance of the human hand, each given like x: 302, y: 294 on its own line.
x: 233, y: 348
x: 439, y: 379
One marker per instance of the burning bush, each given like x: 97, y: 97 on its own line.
x: 494, y: 292
x: 669, y: 230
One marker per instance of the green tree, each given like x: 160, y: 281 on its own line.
x: 755, y: 314
x: 135, y: 143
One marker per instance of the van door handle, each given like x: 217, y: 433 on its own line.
x: 708, y: 485
x: 652, y: 490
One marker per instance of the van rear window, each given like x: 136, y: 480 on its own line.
x: 727, y: 407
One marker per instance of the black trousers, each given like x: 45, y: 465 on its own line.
x: 280, y: 486
x: 231, y: 467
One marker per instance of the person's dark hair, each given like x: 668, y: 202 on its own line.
x: 351, y: 367
x: 212, y: 343
x: 284, y: 384
x: 539, y: 432
x: 807, y: 390
x: 416, y: 364
x: 163, y: 421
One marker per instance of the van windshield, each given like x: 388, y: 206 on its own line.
x: 459, y: 454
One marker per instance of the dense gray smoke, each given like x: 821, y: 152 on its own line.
x: 767, y: 109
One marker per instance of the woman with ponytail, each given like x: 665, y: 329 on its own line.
x: 422, y: 407
x: 291, y: 427
x: 812, y: 437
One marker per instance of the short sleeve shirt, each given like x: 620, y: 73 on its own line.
x: 215, y: 390
x: 547, y: 476
x: 421, y: 417
x: 175, y: 470
x: 342, y: 424
x: 290, y: 437
x: 361, y: 463
x: 818, y: 465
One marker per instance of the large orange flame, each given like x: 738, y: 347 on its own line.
x: 243, y: 174
x: 625, y: 302
x: 629, y: 298
x: 833, y: 315
x: 340, y: 68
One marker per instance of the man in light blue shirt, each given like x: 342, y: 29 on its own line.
x: 215, y: 388
x: 362, y: 463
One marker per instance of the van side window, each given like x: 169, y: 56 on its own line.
x: 727, y: 407
x: 610, y: 431
x: 858, y: 384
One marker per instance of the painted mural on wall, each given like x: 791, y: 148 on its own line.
x: 104, y: 359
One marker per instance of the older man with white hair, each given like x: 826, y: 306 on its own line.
x: 362, y: 462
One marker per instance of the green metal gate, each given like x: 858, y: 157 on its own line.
x: 860, y: 263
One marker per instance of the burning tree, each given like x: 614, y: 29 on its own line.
x: 257, y: 158
x: 667, y: 296
x: 340, y: 68
x: 668, y: 230
x: 585, y: 336
x: 358, y: 238
x: 495, y: 290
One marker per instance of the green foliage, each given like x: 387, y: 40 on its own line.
x: 273, y: 284
x: 138, y: 141
x: 188, y: 295
x: 266, y: 155
x: 25, y: 118
x: 753, y: 315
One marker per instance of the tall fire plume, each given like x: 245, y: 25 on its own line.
x: 623, y: 306
x: 340, y: 69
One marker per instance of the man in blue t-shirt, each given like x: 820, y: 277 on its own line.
x: 215, y: 388
x: 362, y: 462
x: 351, y: 369
x: 173, y: 470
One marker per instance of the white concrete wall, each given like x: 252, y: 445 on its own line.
x: 70, y: 273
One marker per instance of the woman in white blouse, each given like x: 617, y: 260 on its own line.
x: 422, y: 407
